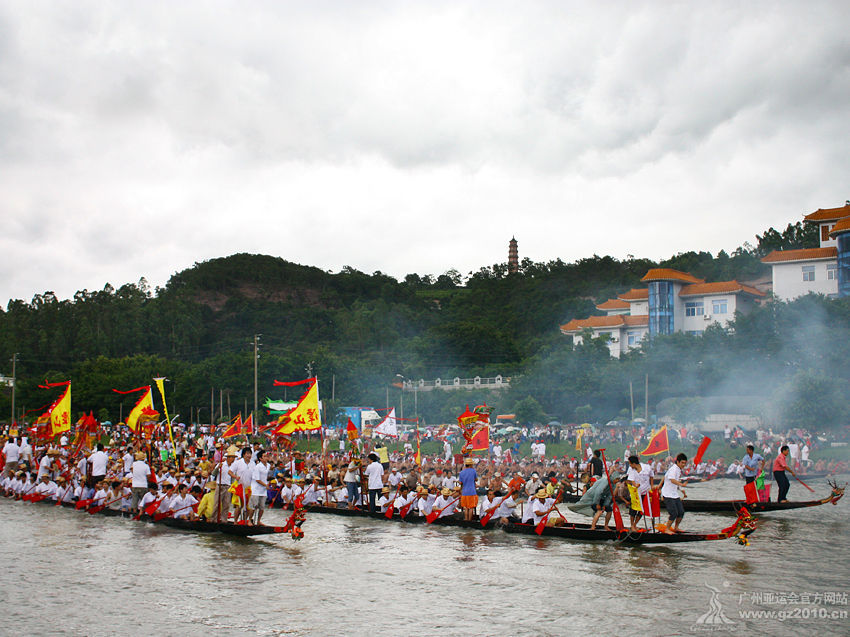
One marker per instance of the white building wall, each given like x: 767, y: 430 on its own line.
x: 788, y: 280
x: 638, y: 308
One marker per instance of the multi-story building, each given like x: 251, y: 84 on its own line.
x: 673, y: 301
x: 822, y: 270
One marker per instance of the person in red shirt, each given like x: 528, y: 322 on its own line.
x: 780, y: 465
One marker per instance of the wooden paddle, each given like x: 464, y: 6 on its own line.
x: 803, y: 483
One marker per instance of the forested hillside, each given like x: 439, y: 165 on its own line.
x: 359, y: 331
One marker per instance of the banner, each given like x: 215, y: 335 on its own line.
x: 144, y: 405
x: 60, y: 413
x: 388, y: 426
x: 657, y: 444
x: 304, y: 416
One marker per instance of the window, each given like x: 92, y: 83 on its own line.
x: 694, y: 332
x: 831, y: 271
x: 808, y: 273
x: 694, y: 308
x: 719, y: 306
x: 824, y: 232
x: 634, y: 338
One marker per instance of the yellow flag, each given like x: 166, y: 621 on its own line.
x: 578, y: 439
x: 305, y: 415
x: 160, y: 384
x: 60, y: 414
x: 635, y: 497
x: 145, y: 403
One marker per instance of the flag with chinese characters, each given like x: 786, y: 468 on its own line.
x: 304, y: 416
x: 657, y: 444
x: 57, y: 418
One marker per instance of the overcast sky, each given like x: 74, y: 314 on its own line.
x: 137, y: 138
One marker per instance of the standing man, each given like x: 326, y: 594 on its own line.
x: 447, y: 450
x: 670, y: 493
x: 221, y: 476
x: 259, y: 486
x: 753, y: 463
x: 140, y: 472
x: 352, y: 481
x: 99, y: 461
x: 375, y: 476
x: 596, y: 468
x: 780, y: 465
x: 243, y: 470
x: 12, y: 451
x: 468, y: 490
x: 640, y: 476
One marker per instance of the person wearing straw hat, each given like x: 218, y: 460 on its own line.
x: 140, y: 473
x: 206, y: 507
x: 540, y: 505
x: 468, y: 494
x: 221, y: 476
x: 384, y: 500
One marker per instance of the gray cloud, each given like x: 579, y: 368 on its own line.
x: 136, y: 139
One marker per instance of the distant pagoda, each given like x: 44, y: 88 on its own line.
x: 513, y: 256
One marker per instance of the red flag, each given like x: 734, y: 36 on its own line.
x: 351, y: 430
x: 248, y: 425
x: 751, y: 492
x: 234, y: 429
x: 702, y: 447
x: 481, y: 439
x: 657, y: 444
x: 655, y: 503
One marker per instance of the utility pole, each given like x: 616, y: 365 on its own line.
x: 646, y: 401
x: 256, y: 357
x: 14, y: 382
x: 212, y: 405
x: 632, y: 401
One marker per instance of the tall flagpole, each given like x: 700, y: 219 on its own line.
x: 324, y: 456
x: 160, y: 384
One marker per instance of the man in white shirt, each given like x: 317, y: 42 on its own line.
x: 182, y: 503
x: 640, y: 476
x: 385, y: 499
x: 140, y: 473
x: 25, y: 451
x: 221, y: 476
x: 393, y: 480
x: 375, y: 474
x: 128, y: 461
x: 12, y: 451
x: 242, y: 470
x: 99, y: 461
x: 259, y: 486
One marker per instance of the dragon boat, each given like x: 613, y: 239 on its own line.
x: 726, y: 506
x: 196, y: 526
x: 743, y: 526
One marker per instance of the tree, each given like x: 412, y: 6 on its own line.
x: 529, y: 410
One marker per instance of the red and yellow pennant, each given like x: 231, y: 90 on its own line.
x: 235, y: 428
x: 304, y: 416
x: 657, y: 444
x: 57, y: 418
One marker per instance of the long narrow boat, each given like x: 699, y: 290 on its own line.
x: 743, y: 526
x: 727, y: 506
x: 197, y: 526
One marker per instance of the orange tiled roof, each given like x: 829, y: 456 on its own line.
x: 841, y: 226
x: 635, y: 294
x: 719, y: 287
x: 829, y: 214
x: 613, y: 304
x: 618, y: 320
x: 666, y: 274
x: 778, y: 256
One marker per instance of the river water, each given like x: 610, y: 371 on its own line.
x: 65, y: 572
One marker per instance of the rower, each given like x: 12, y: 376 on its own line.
x: 426, y: 501
x: 507, y: 507
x: 488, y: 503
x: 539, y: 507
x: 183, y: 502
x: 150, y: 497
x: 385, y: 500
x: 780, y: 466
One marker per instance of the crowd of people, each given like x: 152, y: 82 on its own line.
x: 204, y: 477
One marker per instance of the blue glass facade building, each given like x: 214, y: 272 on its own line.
x: 660, y: 307
x: 843, y: 241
